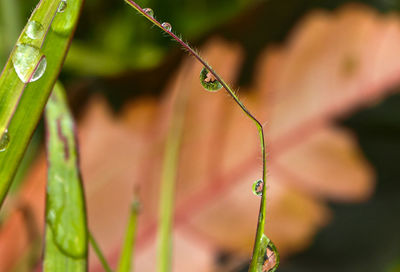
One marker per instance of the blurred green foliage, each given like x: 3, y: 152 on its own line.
x: 10, y: 27
x: 110, y: 40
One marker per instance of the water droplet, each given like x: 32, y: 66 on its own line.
x: 34, y: 30
x: 65, y: 19
x: 258, y: 187
x: 209, y: 82
x: 41, y: 68
x: 63, y: 6
x: 4, y: 141
x: 27, y: 59
x: 149, y: 12
x: 167, y: 26
x: 269, y: 256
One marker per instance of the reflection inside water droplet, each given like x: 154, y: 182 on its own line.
x: 167, y: 26
x: 34, y: 30
x: 258, y: 187
x: 149, y: 12
x: 28, y: 62
x: 208, y: 80
x: 63, y: 6
x: 269, y: 257
x: 4, y: 141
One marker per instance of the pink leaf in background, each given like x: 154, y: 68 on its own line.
x: 332, y: 64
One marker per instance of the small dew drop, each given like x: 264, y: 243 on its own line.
x: 167, y: 26
x: 258, y: 187
x: 34, y: 30
x: 26, y: 60
x: 63, y: 6
x: 209, y: 82
x: 4, y: 141
x: 149, y: 12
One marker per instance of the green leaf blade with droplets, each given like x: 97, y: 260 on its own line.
x: 21, y: 64
x: 21, y: 104
x: 66, y: 244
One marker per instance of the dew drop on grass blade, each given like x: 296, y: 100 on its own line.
x: 44, y: 42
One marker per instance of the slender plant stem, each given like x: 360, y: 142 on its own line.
x: 262, y: 212
x: 168, y: 178
x: 99, y: 253
x: 125, y: 260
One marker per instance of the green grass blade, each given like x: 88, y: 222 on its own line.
x: 168, y: 177
x: 99, y: 253
x: 21, y: 105
x: 66, y: 244
x: 125, y: 260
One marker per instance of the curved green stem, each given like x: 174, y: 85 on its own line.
x: 262, y: 212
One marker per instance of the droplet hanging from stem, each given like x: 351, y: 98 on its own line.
x: 167, y: 26
x: 149, y: 12
x: 258, y: 187
x: 209, y: 82
x: 268, y: 257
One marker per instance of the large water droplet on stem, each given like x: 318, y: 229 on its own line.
x: 35, y: 30
x: 4, y: 141
x: 208, y: 80
x: 268, y: 260
x: 258, y: 187
x: 63, y: 6
x: 149, y: 12
x: 27, y: 59
x: 167, y: 26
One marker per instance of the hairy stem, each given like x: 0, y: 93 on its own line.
x: 262, y: 212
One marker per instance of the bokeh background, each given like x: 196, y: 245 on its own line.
x: 324, y: 78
